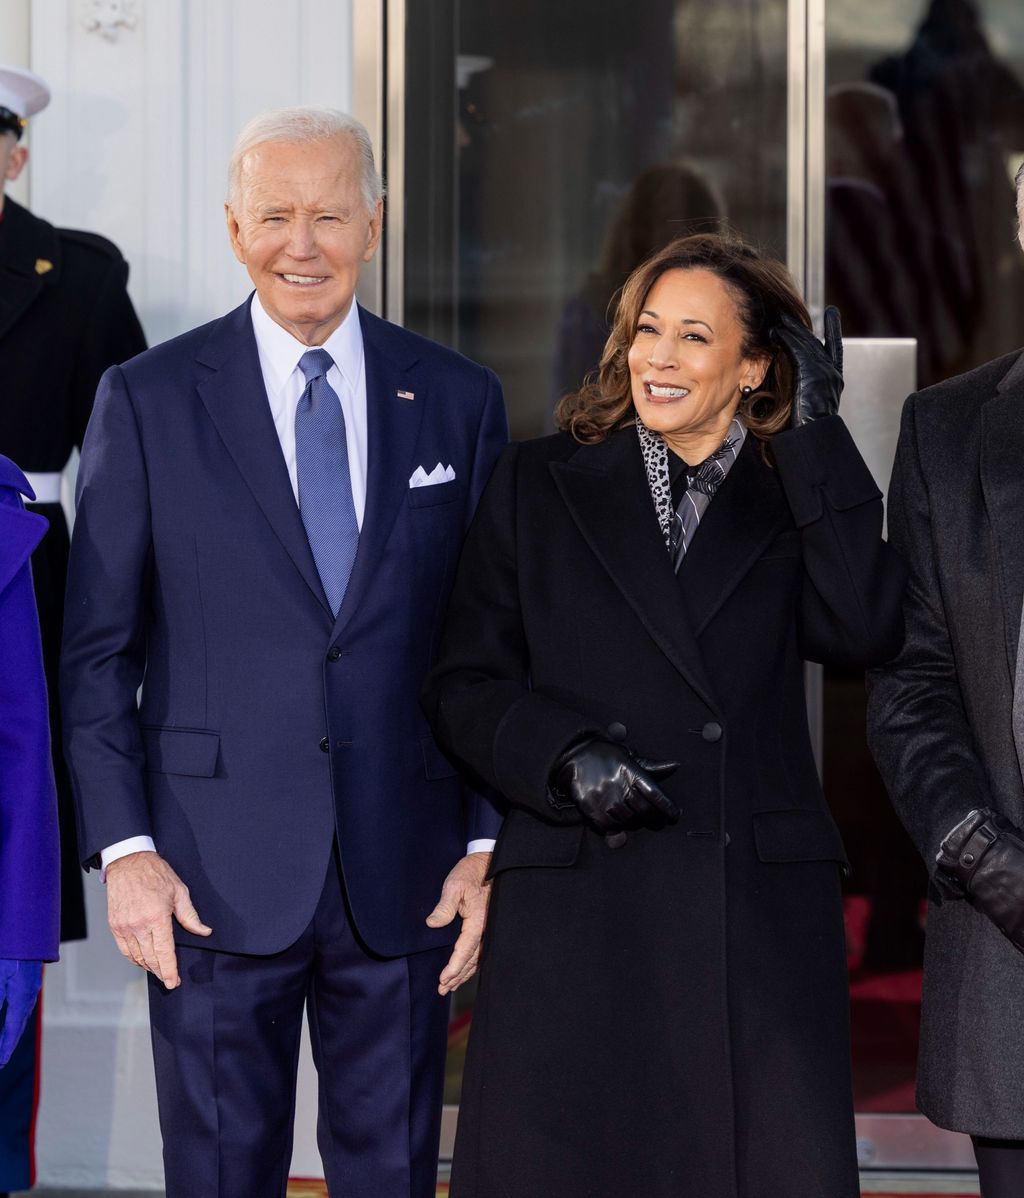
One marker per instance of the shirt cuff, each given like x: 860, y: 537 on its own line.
x: 480, y: 846
x: 134, y: 844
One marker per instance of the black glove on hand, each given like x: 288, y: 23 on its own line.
x: 612, y: 788
x: 819, y: 368
x: 984, y: 855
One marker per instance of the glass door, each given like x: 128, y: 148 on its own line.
x: 536, y: 152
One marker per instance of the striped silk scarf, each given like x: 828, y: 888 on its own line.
x: 678, y: 524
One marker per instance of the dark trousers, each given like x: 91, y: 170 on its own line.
x: 19, y: 1081
x: 226, y: 1046
x: 1000, y: 1167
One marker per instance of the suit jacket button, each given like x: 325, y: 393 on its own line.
x: 333, y: 653
x: 711, y: 732
x: 617, y: 731
x: 325, y: 745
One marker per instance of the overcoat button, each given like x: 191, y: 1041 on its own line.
x: 333, y: 653
x: 325, y: 745
x: 617, y: 731
x: 711, y: 732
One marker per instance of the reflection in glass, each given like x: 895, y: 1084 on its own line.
x: 550, y: 147
x: 925, y: 129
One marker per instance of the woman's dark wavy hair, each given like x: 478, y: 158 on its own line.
x: 764, y: 292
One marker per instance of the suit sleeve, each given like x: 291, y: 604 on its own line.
x: 917, y: 726
x: 478, y: 696
x: 104, y: 650
x: 112, y: 336
x: 850, y: 606
x: 29, y: 862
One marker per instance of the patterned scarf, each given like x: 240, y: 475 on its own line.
x: 679, y: 524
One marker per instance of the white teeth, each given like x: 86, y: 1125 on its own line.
x: 668, y: 392
x: 306, y: 279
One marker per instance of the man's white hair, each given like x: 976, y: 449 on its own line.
x: 1019, y: 182
x: 307, y: 124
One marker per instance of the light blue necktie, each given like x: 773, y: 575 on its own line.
x: 325, y: 484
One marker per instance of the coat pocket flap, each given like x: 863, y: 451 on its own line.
x: 181, y: 751
x: 435, y: 763
x: 526, y: 841
x: 435, y: 493
x: 797, y: 834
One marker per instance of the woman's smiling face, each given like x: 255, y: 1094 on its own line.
x: 686, y: 362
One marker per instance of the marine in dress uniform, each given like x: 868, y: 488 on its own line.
x: 65, y: 316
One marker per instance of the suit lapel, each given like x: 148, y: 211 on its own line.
x: 28, y: 246
x: 236, y: 400
x: 605, y: 489
x: 746, y: 513
x: 393, y: 426
x: 1002, y: 482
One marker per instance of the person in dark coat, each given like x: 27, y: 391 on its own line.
x: 663, y: 995
x: 946, y: 726
x: 29, y: 878
x: 65, y: 316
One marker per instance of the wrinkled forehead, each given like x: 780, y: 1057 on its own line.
x: 320, y: 173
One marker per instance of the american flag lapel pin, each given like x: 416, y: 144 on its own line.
x: 406, y: 395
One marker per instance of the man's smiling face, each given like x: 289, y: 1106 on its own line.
x: 299, y: 225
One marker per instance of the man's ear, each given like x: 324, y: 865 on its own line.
x: 373, y: 234
x: 234, y: 232
x: 16, y: 162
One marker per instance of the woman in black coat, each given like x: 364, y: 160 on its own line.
x: 663, y: 1005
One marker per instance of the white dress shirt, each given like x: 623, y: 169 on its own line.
x: 279, y: 355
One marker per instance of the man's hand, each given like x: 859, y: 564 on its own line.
x: 19, y: 989
x: 464, y: 893
x: 143, y: 892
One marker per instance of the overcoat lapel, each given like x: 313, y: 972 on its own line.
x: 605, y: 489
x: 1002, y: 483
x: 236, y: 400
x: 31, y: 261
x: 393, y: 425
x: 746, y: 513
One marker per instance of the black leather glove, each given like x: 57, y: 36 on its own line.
x: 819, y: 368
x: 613, y: 788
x: 984, y: 857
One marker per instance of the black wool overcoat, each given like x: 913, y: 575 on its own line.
x: 940, y: 720
x: 669, y: 1018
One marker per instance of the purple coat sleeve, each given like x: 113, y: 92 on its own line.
x: 29, y: 871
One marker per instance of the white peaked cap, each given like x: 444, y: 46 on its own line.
x: 22, y: 92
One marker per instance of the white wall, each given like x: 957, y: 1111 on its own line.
x: 134, y: 145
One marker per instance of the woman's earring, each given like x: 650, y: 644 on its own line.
x: 747, y: 391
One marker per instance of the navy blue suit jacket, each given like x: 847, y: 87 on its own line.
x: 191, y: 576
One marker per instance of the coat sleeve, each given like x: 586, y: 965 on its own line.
x: 104, y: 649
x: 29, y: 861
x: 850, y: 606
x: 484, y: 815
x: 478, y: 697
x: 917, y: 726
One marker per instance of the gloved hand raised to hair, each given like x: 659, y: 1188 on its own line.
x: 614, y: 789
x: 19, y: 989
x: 984, y: 858
x: 818, y: 368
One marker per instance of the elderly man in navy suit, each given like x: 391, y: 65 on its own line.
x: 270, y: 509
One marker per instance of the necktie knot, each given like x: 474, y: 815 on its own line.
x: 315, y: 363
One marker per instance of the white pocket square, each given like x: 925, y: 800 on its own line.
x: 440, y: 474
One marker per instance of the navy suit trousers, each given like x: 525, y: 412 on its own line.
x: 226, y: 1046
